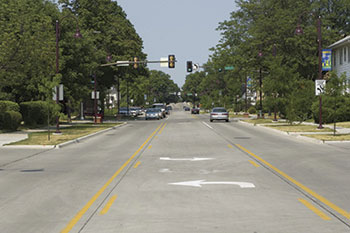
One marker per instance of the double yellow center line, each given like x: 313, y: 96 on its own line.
x: 80, y: 214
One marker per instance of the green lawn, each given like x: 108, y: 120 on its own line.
x: 299, y: 128
x: 329, y: 137
x: 68, y: 133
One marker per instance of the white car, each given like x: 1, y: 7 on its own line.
x: 219, y: 114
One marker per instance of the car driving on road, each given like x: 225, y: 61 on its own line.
x: 153, y: 113
x: 219, y: 113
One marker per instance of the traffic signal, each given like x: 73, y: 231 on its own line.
x: 135, y: 65
x: 171, y: 61
x: 189, y: 66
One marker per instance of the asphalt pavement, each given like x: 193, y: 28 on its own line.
x: 180, y: 174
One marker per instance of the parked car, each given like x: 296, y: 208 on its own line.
x: 153, y: 113
x: 135, y: 111
x: 124, y: 111
x: 167, y: 110
x: 195, y: 111
x: 160, y: 106
x: 219, y: 113
x: 186, y: 108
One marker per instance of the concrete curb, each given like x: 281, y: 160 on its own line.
x: 77, y: 140
x: 64, y: 144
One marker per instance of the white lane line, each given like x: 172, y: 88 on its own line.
x: 207, y: 125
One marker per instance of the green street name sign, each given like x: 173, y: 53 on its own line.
x: 229, y: 68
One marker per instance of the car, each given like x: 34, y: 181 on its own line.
x: 124, y: 111
x: 160, y: 106
x: 167, y: 109
x: 195, y: 111
x: 135, y: 111
x: 186, y: 108
x: 153, y: 113
x: 219, y: 113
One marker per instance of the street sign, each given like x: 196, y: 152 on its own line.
x: 123, y: 63
x: 189, y: 94
x: 93, y: 95
x: 195, y: 66
x: 229, y: 68
x: 320, y: 86
x: 163, y: 62
x: 60, y: 93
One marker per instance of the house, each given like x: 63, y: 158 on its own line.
x: 341, y: 56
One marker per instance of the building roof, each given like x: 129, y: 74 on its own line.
x: 340, y: 42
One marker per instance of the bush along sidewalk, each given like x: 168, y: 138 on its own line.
x: 10, y: 117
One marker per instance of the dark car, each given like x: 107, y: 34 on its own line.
x: 195, y: 111
x: 186, y: 108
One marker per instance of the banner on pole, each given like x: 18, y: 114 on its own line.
x: 326, y: 59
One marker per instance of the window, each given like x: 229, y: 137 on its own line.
x: 335, y: 58
x: 344, y: 53
x: 341, y: 57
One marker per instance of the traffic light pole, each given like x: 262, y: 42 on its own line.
x: 124, y: 63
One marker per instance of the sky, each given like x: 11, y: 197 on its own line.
x: 185, y: 28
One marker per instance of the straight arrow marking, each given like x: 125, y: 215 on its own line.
x: 185, y: 159
x: 199, y: 183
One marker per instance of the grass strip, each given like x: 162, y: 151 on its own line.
x: 329, y: 137
x: 68, y: 133
x: 299, y: 128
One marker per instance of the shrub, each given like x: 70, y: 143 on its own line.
x: 331, y: 110
x: 4, y: 107
x: 252, y: 110
x: 11, y: 120
x: 8, y: 106
x: 36, y: 112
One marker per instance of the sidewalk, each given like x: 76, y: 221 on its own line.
x: 6, y: 138
x: 299, y: 135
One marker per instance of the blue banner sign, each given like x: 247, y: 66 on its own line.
x: 326, y: 59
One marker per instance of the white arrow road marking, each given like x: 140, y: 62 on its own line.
x: 199, y: 183
x: 194, y: 159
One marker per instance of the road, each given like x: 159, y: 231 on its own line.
x: 181, y: 174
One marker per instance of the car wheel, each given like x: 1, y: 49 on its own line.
x: 227, y: 120
x: 211, y: 120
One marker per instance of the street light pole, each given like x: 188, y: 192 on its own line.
x: 57, y: 71
x: 299, y: 31
x: 76, y: 35
x: 319, y: 35
x: 95, y: 99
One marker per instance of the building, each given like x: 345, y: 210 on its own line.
x: 341, y: 56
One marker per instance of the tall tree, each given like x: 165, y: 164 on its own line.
x: 27, y: 49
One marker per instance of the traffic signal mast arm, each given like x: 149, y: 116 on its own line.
x: 123, y: 63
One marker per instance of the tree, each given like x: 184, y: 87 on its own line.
x: 27, y: 49
x: 108, y: 34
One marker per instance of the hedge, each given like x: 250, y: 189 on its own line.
x: 8, y: 106
x: 36, y: 113
x: 11, y: 120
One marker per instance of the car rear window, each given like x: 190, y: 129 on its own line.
x: 219, y: 110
